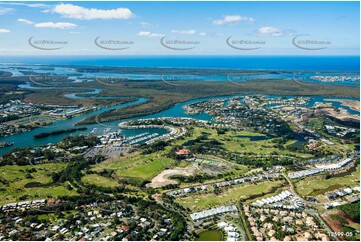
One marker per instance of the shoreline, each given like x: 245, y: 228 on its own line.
x: 166, y: 107
x: 352, y: 104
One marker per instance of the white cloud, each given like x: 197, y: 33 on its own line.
x: 6, y: 10
x: 149, y: 34
x: 270, y: 31
x: 229, y: 19
x: 202, y: 34
x: 145, y: 24
x: 78, y: 12
x: 30, y: 5
x: 190, y: 31
x: 4, y: 31
x: 25, y: 21
x: 35, y: 5
x: 58, y: 25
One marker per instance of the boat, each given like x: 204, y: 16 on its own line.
x: 106, y: 130
x: 6, y: 144
x: 94, y: 131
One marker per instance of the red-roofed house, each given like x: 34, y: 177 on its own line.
x: 182, y: 152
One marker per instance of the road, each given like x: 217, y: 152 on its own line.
x: 310, y: 211
x: 314, y: 213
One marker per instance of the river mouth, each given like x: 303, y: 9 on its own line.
x: 77, y: 75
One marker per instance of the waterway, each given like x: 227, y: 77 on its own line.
x: 73, y: 74
x: 26, y: 139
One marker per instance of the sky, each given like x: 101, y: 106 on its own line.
x: 179, y: 28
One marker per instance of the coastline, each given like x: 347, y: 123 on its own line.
x: 352, y: 104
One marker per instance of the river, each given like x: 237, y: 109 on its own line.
x: 26, y: 139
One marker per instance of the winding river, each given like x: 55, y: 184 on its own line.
x: 26, y: 139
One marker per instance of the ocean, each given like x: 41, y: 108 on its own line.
x: 297, y: 63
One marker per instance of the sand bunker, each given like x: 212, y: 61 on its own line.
x: 163, y: 178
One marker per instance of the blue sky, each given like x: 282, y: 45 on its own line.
x: 137, y: 28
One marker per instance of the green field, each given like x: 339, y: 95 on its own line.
x: 210, y: 235
x: 145, y: 167
x: 231, y: 195
x: 99, y: 180
x: 315, y: 185
x: 40, y: 186
x: 140, y: 166
x: 232, y: 142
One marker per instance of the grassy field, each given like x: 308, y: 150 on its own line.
x: 210, y: 235
x: 232, y: 195
x: 140, y: 166
x: 98, y: 180
x: 245, y: 145
x: 315, y: 185
x: 145, y: 167
x: 276, y: 192
x: 15, y: 186
x: 237, y: 141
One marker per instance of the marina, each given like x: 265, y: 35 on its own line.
x: 177, y: 111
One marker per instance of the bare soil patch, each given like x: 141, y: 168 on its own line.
x: 163, y: 178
